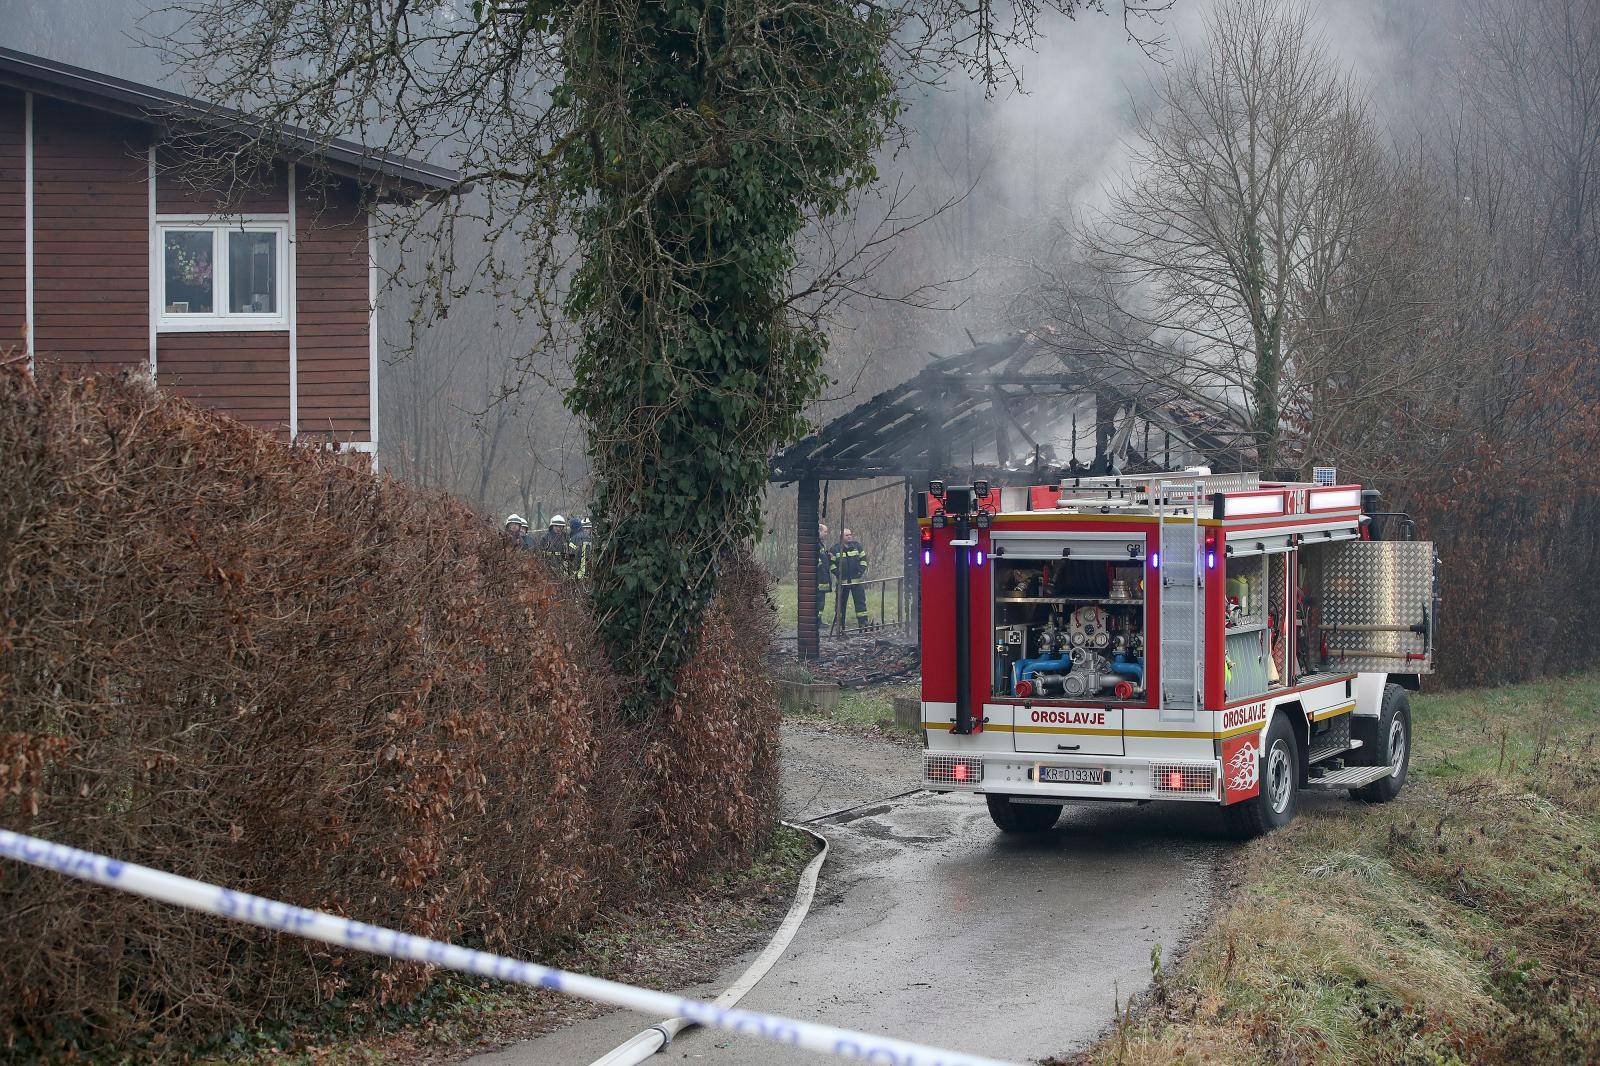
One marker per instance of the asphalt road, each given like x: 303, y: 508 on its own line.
x: 930, y: 926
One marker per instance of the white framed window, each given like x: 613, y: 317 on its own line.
x: 220, y: 273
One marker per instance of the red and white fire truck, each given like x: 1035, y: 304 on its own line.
x: 1211, y: 638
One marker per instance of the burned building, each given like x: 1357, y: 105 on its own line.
x: 1018, y: 411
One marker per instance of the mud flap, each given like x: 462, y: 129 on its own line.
x: 1241, y: 767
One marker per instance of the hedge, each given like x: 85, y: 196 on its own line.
x: 252, y: 664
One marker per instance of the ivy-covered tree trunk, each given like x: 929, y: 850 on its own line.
x: 684, y: 144
x: 715, y: 129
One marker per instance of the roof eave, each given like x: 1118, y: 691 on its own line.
x: 395, y: 178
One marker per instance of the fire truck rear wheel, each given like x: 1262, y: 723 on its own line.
x: 1385, y: 741
x: 1279, y: 799
x: 1022, y: 818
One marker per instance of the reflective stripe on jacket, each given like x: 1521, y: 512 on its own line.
x: 850, y: 561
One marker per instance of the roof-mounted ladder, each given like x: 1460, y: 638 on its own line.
x: 1181, y: 572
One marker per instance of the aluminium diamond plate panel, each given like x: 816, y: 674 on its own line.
x: 1248, y: 481
x: 1376, y: 605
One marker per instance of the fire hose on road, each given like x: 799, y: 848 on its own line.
x: 658, y: 1036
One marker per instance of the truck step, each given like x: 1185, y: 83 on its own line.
x: 1349, y: 777
x: 1326, y: 760
x: 1332, y: 741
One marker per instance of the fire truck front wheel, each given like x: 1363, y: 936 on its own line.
x: 1385, y: 741
x: 1022, y: 818
x: 1279, y: 799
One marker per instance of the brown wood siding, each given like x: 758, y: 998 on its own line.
x: 181, y: 189
x: 331, y: 312
x: 92, y: 283
x: 244, y: 374
x: 13, y: 283
x: 91, y: 241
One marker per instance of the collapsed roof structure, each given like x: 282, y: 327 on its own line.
x: 1027, y: 409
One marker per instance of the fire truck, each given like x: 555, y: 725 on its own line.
x: 1197, y: 637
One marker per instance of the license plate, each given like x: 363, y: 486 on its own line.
x: 1072, y: 775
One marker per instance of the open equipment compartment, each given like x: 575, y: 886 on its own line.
x: 1367, y: 605
x: 1254, y: 626
x: 1069, y: 618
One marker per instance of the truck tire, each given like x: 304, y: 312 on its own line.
x: 1279, y: 799
x: 1385, y: 741
x: 1022, y: 819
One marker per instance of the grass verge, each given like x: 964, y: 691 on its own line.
x: 670, y: 945
x: 1460, y: 923
x: 783, y: 596
x: 868, y: 710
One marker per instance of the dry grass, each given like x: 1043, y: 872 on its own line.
x: 867, y: 711
x: 1460, y: 924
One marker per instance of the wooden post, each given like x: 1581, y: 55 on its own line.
x: 911, y: 564
x: 1105, y: 427
x: 1002, y: 438
x: 805, y: 571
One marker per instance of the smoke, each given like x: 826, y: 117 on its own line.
x: 101, y: 35
x: 1018, y: 162
x: 1035, y: 155
x: 1029, y: 158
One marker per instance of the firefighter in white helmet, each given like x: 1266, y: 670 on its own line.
x: 517, y: 530
x: 556, y: 546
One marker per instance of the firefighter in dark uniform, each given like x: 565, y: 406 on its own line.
x: 582, y: 543
x: 555, y: 545
x: 850, y: 563
x: 824, y: 571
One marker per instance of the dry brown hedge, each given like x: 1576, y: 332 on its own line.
x: 1509, y: 492
x: 252, y: 665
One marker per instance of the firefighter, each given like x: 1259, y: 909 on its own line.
x: 517, y: 530
x: 850, y: 563
x: 824, y: 571
x: 556, y: 545
x: 582, y: 542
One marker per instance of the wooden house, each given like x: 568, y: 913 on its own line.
x: 254, y: 296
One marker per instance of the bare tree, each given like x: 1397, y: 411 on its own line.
x: 466, y: 414
x: 1226, y: 264
x: 1533, y: 79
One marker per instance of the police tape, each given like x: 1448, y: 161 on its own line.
x: 375, y: 940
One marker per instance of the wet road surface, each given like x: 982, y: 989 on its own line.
x: 931, y: 926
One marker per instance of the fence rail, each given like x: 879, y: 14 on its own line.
x: 839, y: 626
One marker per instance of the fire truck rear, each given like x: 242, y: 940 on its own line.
x: 1204, y: 638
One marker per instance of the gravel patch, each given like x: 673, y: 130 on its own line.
x: 829, y: 769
